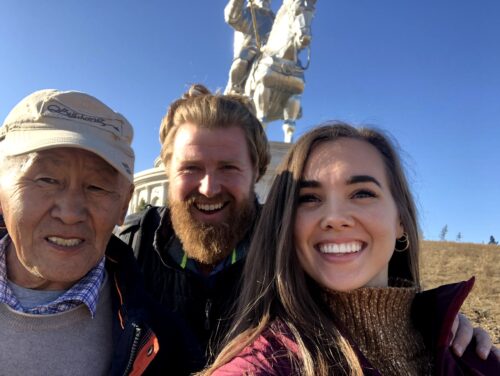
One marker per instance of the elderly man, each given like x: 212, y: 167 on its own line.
x: 192, y: 253
x: 70, y: 296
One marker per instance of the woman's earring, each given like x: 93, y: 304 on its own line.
x: 403, y: 242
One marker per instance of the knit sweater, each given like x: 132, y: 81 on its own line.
x: 57, y: 344
x: 379, y: 321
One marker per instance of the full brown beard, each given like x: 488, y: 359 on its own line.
x: 209, y: 243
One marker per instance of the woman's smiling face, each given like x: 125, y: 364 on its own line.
x: 347, y: 221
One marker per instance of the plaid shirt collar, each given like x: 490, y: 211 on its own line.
x: 85, y: 291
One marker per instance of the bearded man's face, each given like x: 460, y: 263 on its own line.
x: 211, y: 190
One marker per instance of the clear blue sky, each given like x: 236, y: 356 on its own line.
x: 426, y: 71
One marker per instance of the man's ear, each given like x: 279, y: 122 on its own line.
x: 124, y: 208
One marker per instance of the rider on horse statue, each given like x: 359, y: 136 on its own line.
x: 252, y: 24
x: 266, y: 65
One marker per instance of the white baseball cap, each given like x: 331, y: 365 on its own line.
x: 48, y: 119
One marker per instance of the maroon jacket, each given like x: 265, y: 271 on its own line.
x: 433, y: 312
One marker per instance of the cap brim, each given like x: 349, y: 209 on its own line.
x: 19, y: 142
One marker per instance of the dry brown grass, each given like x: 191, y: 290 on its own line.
x: 447, y: 262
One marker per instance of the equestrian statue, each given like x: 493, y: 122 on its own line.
x: 266, y: 65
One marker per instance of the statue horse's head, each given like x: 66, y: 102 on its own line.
x: 302, y: 12
x: 291, y: 30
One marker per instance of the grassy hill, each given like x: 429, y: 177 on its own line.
x: 446, y: 262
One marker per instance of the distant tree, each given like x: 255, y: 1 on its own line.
x: 443, y: 233
x: 492, y: 240
x: 459, y: 237
x: 142, y: 205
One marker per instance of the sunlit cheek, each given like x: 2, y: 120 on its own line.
x: 101, y: 209
x: 22, y: 214
x: 240, y: 188
x: 184, y: 186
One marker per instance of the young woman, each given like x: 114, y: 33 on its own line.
x: 331, y: 282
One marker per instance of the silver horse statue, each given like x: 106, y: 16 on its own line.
x: 275, y: 78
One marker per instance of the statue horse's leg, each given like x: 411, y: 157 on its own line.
x: 290, y: 114
x: 261, y: 99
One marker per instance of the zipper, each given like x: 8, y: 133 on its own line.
x: 133, y: 349
x: 208, y: 308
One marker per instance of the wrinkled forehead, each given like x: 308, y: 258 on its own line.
x: 58, y: 158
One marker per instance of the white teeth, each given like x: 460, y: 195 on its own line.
x: 340, y: 248
x: 64, y: 242
x: 210, y: 207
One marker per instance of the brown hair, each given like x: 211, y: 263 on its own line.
x: 274, y: 283
x: 200, y: 107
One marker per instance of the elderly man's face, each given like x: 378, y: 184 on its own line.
x: 60, y: 211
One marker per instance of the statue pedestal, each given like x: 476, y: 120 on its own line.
x: 278, y: 151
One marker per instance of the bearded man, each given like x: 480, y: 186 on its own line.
x: 214, y: 150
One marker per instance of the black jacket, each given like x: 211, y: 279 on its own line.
x: 140, y: 325
x: 205, y: 303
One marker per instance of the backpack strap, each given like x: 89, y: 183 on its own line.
x: 139, y: 229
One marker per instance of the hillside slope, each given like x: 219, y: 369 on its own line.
x: 447, y: 262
